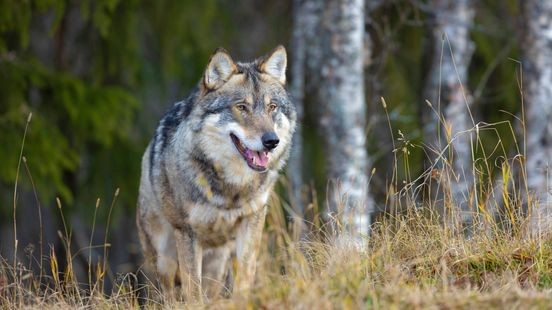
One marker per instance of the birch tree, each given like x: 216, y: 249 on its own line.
x: 448, y: 119
x: 335, y: 65
x: 537, y: 93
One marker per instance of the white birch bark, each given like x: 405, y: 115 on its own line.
x: 447, y: 92
x: 335, y: 62
x: 537, y: 78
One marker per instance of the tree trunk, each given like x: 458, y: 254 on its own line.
x: 301, y: 20
x: 449, y: 117
x: 537, y: 92
x: 335, y: 63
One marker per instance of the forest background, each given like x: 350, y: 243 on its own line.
x: 98, y: 75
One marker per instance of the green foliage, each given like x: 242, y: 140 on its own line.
x: 48, y: 151
x: 84, y: 77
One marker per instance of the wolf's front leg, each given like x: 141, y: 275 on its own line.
x: 189, y: 263
x: 215, y: 266
x: 247, y: 248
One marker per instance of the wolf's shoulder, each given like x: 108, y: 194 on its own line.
x: 179, y: 111
x: 168, y: 125
x: 174, y: 116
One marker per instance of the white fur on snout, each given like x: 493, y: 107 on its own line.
x: 215, y: 141
x: 252, y: 144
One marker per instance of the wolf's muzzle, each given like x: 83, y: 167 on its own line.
x: 270, y: 140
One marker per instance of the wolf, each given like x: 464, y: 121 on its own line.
x: 208, y: 172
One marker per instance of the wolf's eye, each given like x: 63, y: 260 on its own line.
x: 241, y: 107
x: 272, y: 107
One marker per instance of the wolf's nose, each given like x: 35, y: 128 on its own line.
x: 270, y: 140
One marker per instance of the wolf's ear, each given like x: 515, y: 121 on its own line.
x: 219, y: 70
x: 275, y: 64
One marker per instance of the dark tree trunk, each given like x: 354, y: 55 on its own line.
x: 297, y: 90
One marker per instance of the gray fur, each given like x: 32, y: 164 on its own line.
x: 199, y: 201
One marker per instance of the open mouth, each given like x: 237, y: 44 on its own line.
x: 256, y: 160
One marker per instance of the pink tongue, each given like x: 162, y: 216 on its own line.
x: 257, y: 158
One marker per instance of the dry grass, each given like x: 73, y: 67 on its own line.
x: 409, y: 262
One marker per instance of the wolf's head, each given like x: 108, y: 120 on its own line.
x: 247, y: 117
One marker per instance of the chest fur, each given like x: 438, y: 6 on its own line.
x: 215, y: 226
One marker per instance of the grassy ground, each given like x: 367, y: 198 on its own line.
x: 409, y: 262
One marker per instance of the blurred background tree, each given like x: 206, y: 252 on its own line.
x: 98, y: 75
x: 447, y: 113
x: 537, y: 92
